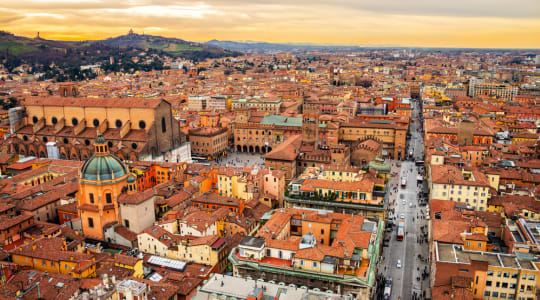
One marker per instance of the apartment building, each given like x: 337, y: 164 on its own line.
x: 486, y: 275
x: 313, y: 248
x: 340, y: 188
x: 448, y: 182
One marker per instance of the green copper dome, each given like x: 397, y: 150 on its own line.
x: 103, y: 167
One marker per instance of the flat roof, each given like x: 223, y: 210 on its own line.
x: 455, y: 254
x: 241, y: 288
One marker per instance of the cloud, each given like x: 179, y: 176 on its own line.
x: 411, y: 22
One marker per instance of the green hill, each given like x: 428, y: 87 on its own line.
x: 172, y: 46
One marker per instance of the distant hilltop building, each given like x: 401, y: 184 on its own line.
x: 131, y: 31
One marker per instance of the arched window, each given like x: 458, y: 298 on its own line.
x: 96, y: 122
x: 74, y: 121
x: 34, y: 119
x: 142, y: 124
x: 54, y: 120
x: 118, y: 123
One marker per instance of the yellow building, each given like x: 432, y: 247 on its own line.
x: 208, y: 250
x: 49, y: 255
x: 491, y: 275
x: 131, y: 263
x: 450, y: 183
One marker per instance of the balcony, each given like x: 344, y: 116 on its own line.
x: 267, y: 260
x: 271, y: 266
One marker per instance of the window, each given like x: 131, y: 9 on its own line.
x: 163, y: 125
x: 506, y: 275
x: 90, y: 222
x: 488, y: 283
x: 301, y: 262
x: 91, y: 196
x: 108, y: 197
x: 322, y: 231
x: 268, y: 252
x: 495, y: 294
x: 126, y: 223
x: 118, y: 123
x: 531, y: 277
x: 314, y: 264
x: 74, y: 121
x: 142, y: 124
x: 487, y: 294
x: 95, y: 122
x: 54, y: 120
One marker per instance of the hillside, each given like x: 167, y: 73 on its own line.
x: 16, y: 50
x: 172, y: 46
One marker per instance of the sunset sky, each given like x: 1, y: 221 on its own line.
x: 455, y: 23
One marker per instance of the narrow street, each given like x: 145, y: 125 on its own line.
x: 413, y: 251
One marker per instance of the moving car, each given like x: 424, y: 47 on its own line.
x: 402, y: 216
x: 398, y: 265
x: 387, y: 288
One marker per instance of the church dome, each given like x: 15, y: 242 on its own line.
x: 105, y: 167
x: 102, y: 165
x: 131, y: 179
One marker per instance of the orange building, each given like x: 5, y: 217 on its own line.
x: 102, y: 179
x: 210, y: 119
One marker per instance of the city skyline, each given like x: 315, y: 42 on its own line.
x: 419, y: 23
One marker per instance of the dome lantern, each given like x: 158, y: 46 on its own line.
x: 100, y: 145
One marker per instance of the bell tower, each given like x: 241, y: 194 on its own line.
x: 310, y: 122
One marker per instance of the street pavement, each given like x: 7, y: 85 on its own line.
x: 240, y: 159
x: 405, y: 279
